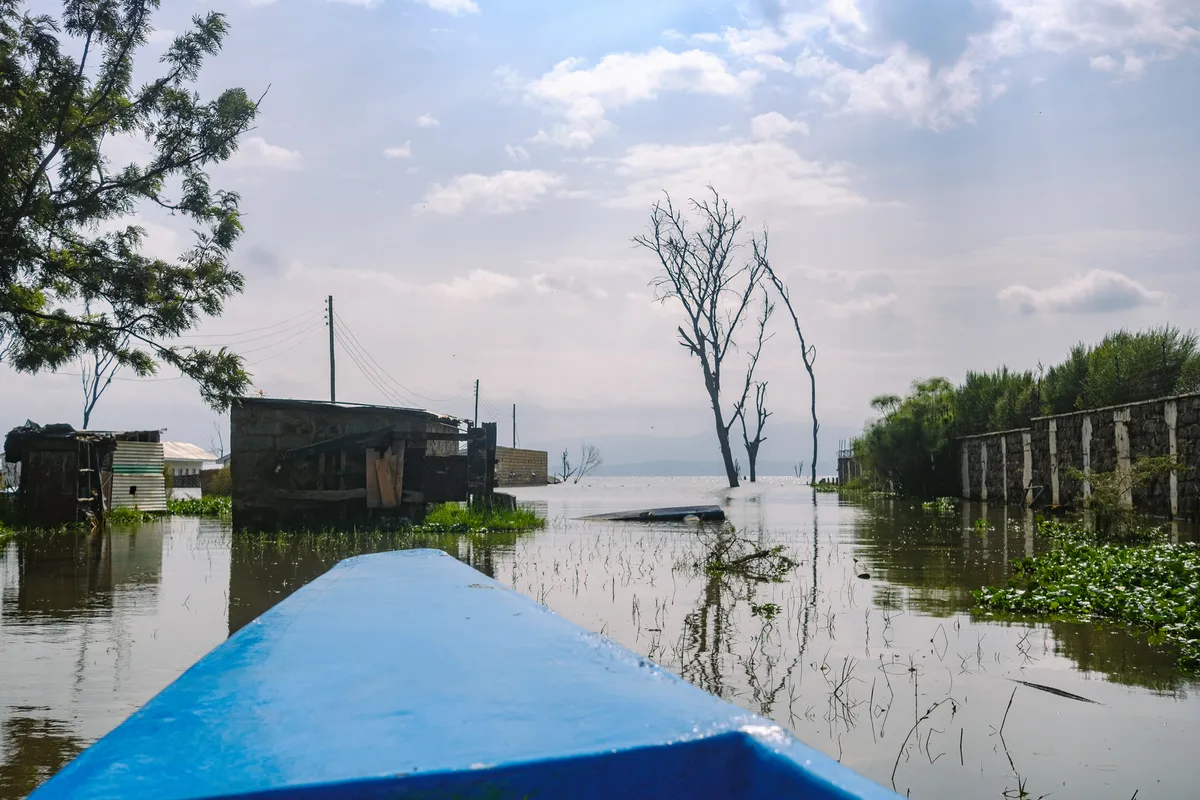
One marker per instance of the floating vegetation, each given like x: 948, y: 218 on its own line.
x: 208, y: 506
x: 943, y: 505
x: 127, y: 515
x: 767, y: 611
x: 1153, y: 584
x: 826, y: 487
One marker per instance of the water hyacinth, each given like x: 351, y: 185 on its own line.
x: 1154, y: 584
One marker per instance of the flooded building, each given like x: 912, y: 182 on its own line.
x: 60, y: 472
x: 306, y: 464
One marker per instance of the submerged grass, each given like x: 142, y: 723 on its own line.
x: 1151, y: 583
x: 456, y: 518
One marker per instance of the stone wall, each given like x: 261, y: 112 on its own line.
x: 1064, y: 449
x: 521, y: 467
x: 994, y: 466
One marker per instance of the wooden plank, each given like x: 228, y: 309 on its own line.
x: 387, y: 486
x: 321, y: 495
x: 398, y: 467
x: 373, y: 499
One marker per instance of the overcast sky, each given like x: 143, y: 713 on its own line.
x: 949, y: 185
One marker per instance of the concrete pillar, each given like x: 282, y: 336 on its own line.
x: 1004, y: 466
x: 1171, y: 414
x: 966, y: 474
x: 1027, y: 467
x: 1028, y: 533
x: 1054, y: 462
x: 1087, y: 458
x: 983, y: 471
x: 1124, y: 466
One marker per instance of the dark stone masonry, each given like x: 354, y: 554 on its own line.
x: 1033, y: 466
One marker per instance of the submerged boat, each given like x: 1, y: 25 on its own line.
x: 411, y: 675
x: 676, y: 514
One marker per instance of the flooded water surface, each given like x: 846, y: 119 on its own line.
x: 850, y: 623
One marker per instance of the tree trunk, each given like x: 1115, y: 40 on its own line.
x: 723, y: 438
x: 752, y: 456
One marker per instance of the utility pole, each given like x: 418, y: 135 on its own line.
x: 476, y: 423
x: 332, y: 381
x: 514, y: 426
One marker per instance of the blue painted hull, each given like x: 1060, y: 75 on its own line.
x: 411, y: 675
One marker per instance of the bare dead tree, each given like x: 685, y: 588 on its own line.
x: 96, y: 372
x: 752, y: 444
x: 567, y: 472
x: 589, y: 459
x: 216, y: 442
x: 807, y: 352
x: 700, y: 271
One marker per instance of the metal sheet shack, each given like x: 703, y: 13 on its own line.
x: 309, y: 464
x: 60, y: 472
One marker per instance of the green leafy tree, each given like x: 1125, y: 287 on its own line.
x: 910, y: 446
x: 73, y: 277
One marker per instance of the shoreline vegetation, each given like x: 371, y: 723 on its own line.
x: 441, y: 518
x: 910, y: 446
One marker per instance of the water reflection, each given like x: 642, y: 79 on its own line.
x: 264, y: 569
x: 91, y: 626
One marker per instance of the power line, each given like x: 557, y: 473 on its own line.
x: 404, y: 389
x: 288, y: 350
x: 248, y: 331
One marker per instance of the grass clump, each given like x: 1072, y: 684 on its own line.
x: 457, y: 518
x: 207, y: 506
x: 1152, y: 584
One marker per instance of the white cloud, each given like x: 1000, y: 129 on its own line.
x: 855, y: 70
x: 1132, y: 65
x: 749, y: 173
x: 1097, y: 291
x: 427, y: 121
x: 257, y: 152
x: 478, y: 285
x: 455, y: 7
x: 502, y: 193
x: 403, y: 151
x: 774, y: 125
x: 516, y: 152
x: 584, y: 96
x: 861, y: 306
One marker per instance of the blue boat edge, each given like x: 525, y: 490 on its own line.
x: 733, y: 753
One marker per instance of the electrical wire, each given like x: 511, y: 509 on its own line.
x: 281, y: 352
x: 384, y: 373
x: 250, y: 330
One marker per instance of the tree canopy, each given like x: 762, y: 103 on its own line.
x: 73, y: 274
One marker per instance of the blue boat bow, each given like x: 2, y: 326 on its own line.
x: 411, y: 675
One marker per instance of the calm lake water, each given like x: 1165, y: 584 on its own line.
x: 893, y: 674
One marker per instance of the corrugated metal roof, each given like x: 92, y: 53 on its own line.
x: 185, y: 451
